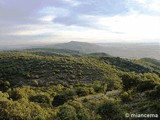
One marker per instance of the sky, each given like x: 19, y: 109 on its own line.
x: 55, y: 21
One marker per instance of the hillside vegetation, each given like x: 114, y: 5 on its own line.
x: 61, y: 84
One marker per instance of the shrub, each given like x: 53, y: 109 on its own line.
x: 83, y: 114
x: 154, y: 94
x: 34, y: 83
x: 130, y: 80
x: 22, y: 110
x: 76, y: 104
x: 125, y: 97
x: 4, y: 94
x: 67, y: 112
x: 82, y: 91
x: 4, y: 85
x: 40, y: 99
x: 14, y: 95
x: 64, y: 97
x: 85, y: 100
x: 110, y: 110
x: 99, y: 87
x: 146, y: 85
x: 91, y: 90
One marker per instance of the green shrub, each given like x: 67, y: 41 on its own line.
x: 23, y: 110
x: 155, y: 93
x: 82, y: 91
x: 99, y: 86
x: 4, y: 85
x: 14, y: 95
x: 146, y: 85
x: 85, y: 100
x: 125, y: 97
x: 67, y: 112
x: 34, y: 83
x: 110, y: 110
x: 64, y: 97
x: 83, y: 114
x: 40, y: 99
x: 130, y: 80
x: 5, y: 95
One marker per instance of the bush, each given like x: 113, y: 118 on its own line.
x: 146, y: 85
x: 40, y: 99
x: 34, y: 83
x: 4, y: 85
x: 76, y: 104
x: 130, y: 80
x: 64, y: 97
x: 110, y: 110
x: 14, y: 95
x: 154, y: 94
x: 4, y: 94
x: 23, y: 110
x: 125, y: 97
x: 99, y: 87
x: 85, y: 100
x: 83, y: 114
x: 82, y: 91
x: 67, y: 112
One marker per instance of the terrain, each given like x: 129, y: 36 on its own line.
x: 125, y: 50
x: 61, y: 84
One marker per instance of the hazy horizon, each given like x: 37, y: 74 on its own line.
x: 57, y: 21
x: 32, y: 45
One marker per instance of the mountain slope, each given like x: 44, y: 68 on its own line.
x: 83, y: 47
x: 21, y: 66
x: 46, y: 84
x: 125, y: 50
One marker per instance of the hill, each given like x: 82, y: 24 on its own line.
x: 58, y: 84
x: 125, y: 50
x: 83, y: 47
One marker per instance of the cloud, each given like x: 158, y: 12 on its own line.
x: 90, y: 20
x: 74, y: 20
x: 134, y: 26
x: 73, y: 2
x: 149, y: 7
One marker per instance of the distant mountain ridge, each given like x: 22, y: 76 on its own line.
x: 83, y: 47
x: 124, y: 50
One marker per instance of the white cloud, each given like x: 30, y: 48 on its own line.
x: 133, y: 26
x: 56, y: 11
x: 73, y: 2
x: 47, y: 18
x: 153, y: 5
